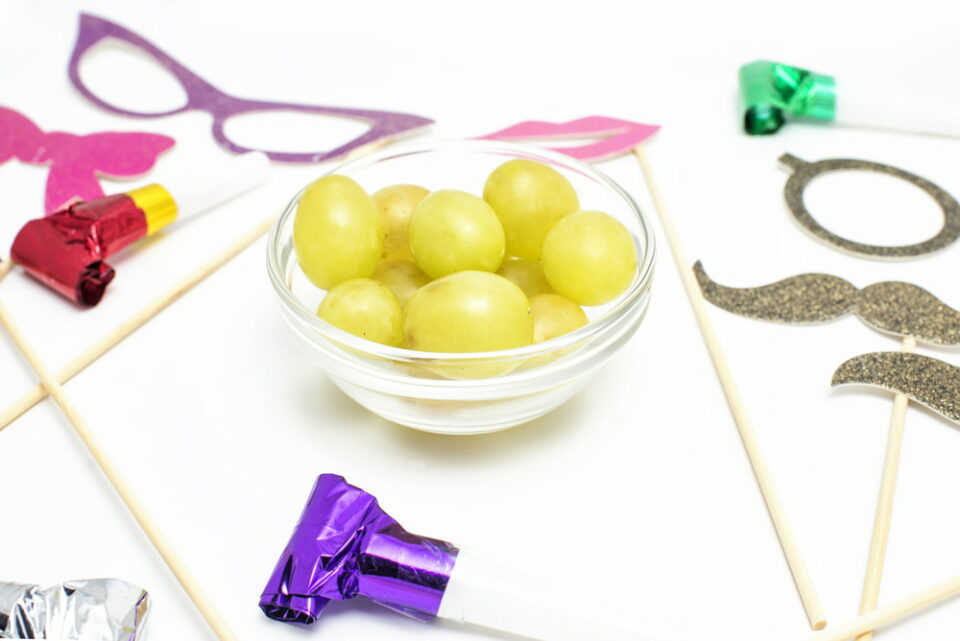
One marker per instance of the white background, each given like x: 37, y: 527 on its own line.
x: 637, y: 493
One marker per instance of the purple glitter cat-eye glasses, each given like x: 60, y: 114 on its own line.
x: 203, y: 96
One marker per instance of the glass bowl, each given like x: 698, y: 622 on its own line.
x: 443, y: 392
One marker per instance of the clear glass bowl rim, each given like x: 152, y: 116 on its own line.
x: 624, y: 304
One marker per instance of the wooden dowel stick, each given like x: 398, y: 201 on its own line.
x: 109, y: 340
x: 801, y: 576
x: 200, y: 600
x: 888, y: 485
x: 891, y: 613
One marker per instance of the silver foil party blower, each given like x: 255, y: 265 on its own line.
x: 83, y: 610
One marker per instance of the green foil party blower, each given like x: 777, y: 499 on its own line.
x: 773, y: 90
x: 774, y: 93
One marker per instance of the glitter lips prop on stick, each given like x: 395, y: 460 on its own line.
x: 346, y: 546
x: 87, y: 610
x: 67, y: 249
x: 617, y: 136
x: 774, y: 93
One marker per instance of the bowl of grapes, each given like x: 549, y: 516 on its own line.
x: 462, y: 287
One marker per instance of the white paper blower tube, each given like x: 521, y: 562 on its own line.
x: 216, y: 183
x: 485, y: 594
x: 865, y: 105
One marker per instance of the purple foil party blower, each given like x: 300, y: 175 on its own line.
x: 346, y: 546
x: 203, y: 96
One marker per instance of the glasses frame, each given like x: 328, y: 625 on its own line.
x: 203, y: 96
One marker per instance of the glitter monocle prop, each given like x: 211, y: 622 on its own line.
x: 803, y: 172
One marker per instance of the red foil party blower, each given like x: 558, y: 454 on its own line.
x: 67, y: 249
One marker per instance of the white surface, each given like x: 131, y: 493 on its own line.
x: 637, y: 491
x: 489, y: 594
x: 204, y: 188
x: 870, y: 104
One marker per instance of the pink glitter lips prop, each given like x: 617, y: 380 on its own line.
x: 611, y: 136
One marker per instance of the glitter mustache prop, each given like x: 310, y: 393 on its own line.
x: 67, y: 249
x: 892, y: 307
x: 902, y: 309
x: 774, y: 93
x: 928, y: 381
x: 203, y: 96
x: 346, y: 546
x: 88, y: 610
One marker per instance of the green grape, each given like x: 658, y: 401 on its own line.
x: 337, y: 232
x: 396, y: 204
x: 402, y: 277
x: 365, y: 308
x: 589, y: 257
x: 469, y: 311
x: 529, y: 197
x: 554, y: 315
x: 525, y: 274
x: 453, y: 231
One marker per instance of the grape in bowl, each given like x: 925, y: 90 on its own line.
x: 466, y: 392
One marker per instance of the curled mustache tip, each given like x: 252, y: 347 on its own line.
x: 905, y: 309
x: 802, y: 299
x: 928, y: 381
